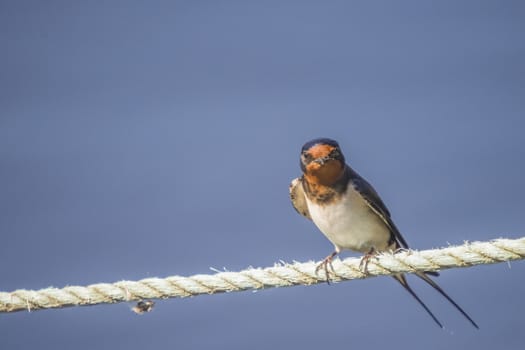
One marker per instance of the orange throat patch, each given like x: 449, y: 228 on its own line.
x: 325, y: 174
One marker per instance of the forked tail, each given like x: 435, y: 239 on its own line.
x: 402, y: 280
x: 442, y: 292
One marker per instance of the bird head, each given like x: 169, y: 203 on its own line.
x: 322, y: 161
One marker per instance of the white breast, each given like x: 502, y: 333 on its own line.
x: 350, y: 224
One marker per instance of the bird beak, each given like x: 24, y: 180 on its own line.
x: 323, y: 160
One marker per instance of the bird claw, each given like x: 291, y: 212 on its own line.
x: 401, y: 250
x: 363, y: 264
x: 324, y: 265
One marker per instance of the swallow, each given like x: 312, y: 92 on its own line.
x: 350, y: 213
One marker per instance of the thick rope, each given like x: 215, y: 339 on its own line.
x: 280, y: 275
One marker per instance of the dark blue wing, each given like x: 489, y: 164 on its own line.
x: 376, y: 204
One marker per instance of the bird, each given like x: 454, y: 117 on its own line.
x: 350, y: 213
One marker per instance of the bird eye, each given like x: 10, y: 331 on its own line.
x: 335, y: 153
x: 307, y: 157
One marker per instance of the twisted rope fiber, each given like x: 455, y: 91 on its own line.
x: 280, y: 275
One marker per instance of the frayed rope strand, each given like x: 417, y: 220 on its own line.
x: 280, y: 275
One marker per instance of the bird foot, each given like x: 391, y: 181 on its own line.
x: 324, y: 265
x: 401, y: 250
x: 363, y: 265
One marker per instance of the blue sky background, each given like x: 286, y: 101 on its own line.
x: 177, y: 125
